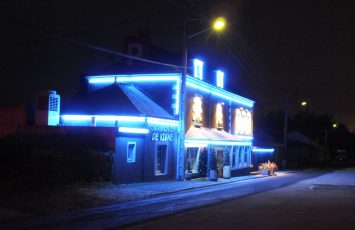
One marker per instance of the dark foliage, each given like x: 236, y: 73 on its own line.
x: 213, y: 160
x: 40, y: 160
x: 202, y: 164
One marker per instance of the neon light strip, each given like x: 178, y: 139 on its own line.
x: 215, y: 142
x: 140, y: 78
x: 103, y: 118
x: 133, y: 130
x: 198, y: 87
x: 133, y: 78
x: 244, y: 137
x: 76, y: 117
x: 119, y: 118
x: 261, y: 150
x: 102, y: 80
x: 177, y: 99
x: 158, y: 121
x: 197, y: 84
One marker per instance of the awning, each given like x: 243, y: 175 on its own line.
x: 205, y: 136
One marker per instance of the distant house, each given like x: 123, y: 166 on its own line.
x: 303, y: 151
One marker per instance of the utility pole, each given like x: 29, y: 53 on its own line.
x: 285, y: 121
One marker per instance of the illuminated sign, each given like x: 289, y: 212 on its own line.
x: 162, y: 132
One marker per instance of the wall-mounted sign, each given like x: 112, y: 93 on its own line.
x: 162, y: 132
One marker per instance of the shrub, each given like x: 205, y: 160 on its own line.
x: 58, y: 159
x: 213, y: 160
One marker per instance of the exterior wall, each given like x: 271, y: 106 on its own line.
x: 124, y: 171
x: 11, y: 119
x: 144, y: 168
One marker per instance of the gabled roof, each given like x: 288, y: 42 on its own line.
x: 116, y: 99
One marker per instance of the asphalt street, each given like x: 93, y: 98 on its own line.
x: 118, y: 215
x: 323, y: 202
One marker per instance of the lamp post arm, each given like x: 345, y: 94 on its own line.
x: 198, y: 33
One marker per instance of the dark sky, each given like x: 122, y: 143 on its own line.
x: 300, y: 48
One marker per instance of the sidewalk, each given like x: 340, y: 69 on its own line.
x: 130, y: 192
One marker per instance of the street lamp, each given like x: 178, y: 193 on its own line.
x: 218, y: 25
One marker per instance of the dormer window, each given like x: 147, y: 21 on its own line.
x: 220, y: 79
x: 198, y: 69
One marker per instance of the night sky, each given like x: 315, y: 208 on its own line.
x: 271, y: 49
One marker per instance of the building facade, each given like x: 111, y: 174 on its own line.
x: 143, y: 109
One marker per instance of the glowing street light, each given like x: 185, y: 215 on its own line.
x: 219, y: 24
x: 304, y: 103
x: 334, y: 125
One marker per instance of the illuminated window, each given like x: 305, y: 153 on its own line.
x: 197, y: 111
x: 191, y: 160
x: 219, y: 116
x: 161, y: 160
x: 220, y: 79
x: 248, y: 128
x: 131, y: 152
x: 243, y: 122
x: 238, y: 121
x: 198, y: 69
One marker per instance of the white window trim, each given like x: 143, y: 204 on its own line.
x: 133, y: 152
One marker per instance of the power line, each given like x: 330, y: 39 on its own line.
x: 87, y: 45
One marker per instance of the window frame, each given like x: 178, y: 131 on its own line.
x: 134, y: 151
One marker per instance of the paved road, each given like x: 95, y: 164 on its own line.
x: 323, y: 202
x: 112, y: 216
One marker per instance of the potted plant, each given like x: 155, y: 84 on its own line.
x: 226, y: 164
x: 272, y: 168
x: 268, y: 168
x: 213, y: 165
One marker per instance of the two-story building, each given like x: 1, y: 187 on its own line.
x: 144, y: 111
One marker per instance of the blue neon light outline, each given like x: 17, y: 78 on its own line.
x: 244, y: 137
x: 133, y: 130
x: 102, y: 80
x: 76, y: 117
x: 205, y: 87
x: 102, y: 118
x: 159, y: 121
x: 150, y: 120
x: 105, y: 79
x: 263, y: 150
x: 190, y: 81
